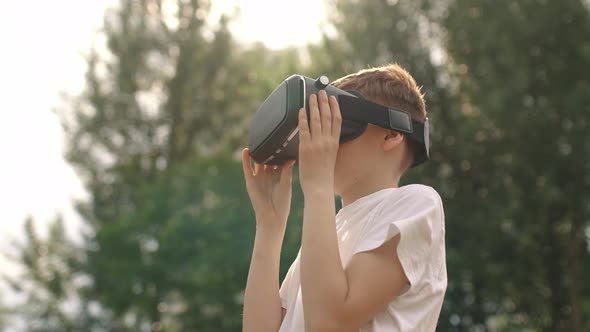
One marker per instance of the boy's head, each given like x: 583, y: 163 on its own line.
x: 379, y: 149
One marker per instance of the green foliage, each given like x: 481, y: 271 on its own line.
x: 163, y: 92
x: 507, y: 90
x: 4, y: 315
x: 48, y: 280
x: 170, y: 227
x: 183, y: 260
x: 172, y: 93
x: 523, y: 68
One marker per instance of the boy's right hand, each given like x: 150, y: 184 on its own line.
x: 269, y: 188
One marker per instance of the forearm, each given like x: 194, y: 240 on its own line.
x: 323, y: 281
x: 262, y: 304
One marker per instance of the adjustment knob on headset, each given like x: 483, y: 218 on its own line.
x: 322, y: 82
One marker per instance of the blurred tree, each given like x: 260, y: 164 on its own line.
x: 165, y: 106
x: 495, y: 77
x: 524, y: 69
x: 169, y: 90
x: 4, y: 315
x: 185, y: 261
x: 47, y: 282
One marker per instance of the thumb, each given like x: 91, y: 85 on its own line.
x: 287, y: 172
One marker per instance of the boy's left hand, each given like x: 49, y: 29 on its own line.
x: 318, y: 143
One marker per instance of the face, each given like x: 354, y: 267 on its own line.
x: 357, y: 159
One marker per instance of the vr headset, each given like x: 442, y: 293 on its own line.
x: 274, y: 129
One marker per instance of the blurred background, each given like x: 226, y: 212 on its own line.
x: 123, y: 204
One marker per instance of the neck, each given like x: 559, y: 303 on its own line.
x: 361, y: 187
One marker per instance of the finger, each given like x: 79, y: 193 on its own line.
x: 247, y: 164
x: 336, y: 117
x: 315, y: 125
x: 325, y: 115
x: 304, y: 135
x: 258, y: 168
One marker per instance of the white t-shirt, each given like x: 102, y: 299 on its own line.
x: 416, y: 213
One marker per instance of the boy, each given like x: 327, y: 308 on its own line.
x: 377, y: 265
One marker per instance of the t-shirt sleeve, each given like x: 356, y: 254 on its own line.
x: 284, y: 290
x: 416, y: 215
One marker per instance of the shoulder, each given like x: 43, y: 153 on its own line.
x: 419, y: 191
x: 415, y: 213
x: 413, y: 196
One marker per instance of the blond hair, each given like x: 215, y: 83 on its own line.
x: 389, y: 85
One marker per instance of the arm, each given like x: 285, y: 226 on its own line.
x: 337, y: 298
x: 262, y: 305
x: 269, y: 189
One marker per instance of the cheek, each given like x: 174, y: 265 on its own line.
x: 352, y: 158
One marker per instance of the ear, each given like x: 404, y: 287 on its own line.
x: 392, y: 140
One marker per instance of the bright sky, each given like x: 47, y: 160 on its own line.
x: 41, y: 55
